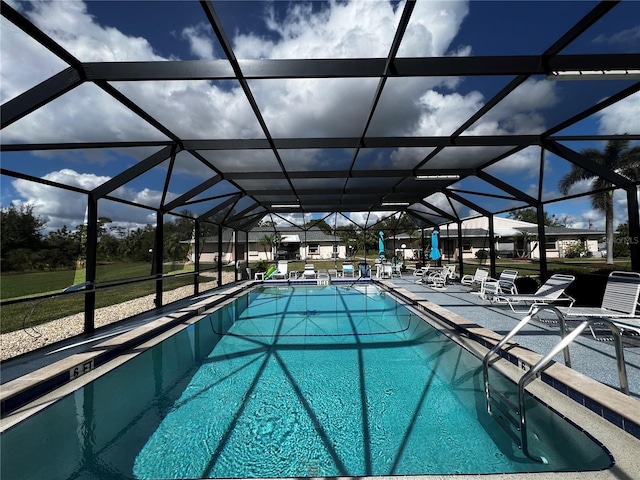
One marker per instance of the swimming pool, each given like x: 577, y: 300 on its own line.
x: 291, y: 381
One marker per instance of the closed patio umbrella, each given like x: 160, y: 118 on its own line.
x: 381, y: 244
x: 435, y: 252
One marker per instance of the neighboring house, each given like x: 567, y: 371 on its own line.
x: 293, y: 244
x: 513, y: 238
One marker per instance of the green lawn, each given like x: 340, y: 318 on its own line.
x: 14, y: 286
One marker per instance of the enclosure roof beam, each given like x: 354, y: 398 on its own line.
x: 133, y: 172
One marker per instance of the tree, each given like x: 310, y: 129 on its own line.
x: 63, y: 248
x: 20, y: 237
x: 531, y: 215
x: 20, y: 228
x: 267, y: 241
x: 622, y: 241
x: 618, y: 157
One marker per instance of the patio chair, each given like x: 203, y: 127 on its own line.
x: 439, y: 278
x: 551, y: 291
x: 419, y: 272
x: 396, y: 270
x: 475, y: 281
x: 348, y: 270
x: 619, y: 304
x: 452, y: 271
x: 309, y: 271
x: 506, y: 283
x: 282, y: 272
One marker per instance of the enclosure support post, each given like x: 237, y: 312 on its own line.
x: 91, y: 263
x: 460, y: 250
x: 542, y: 241
x: 634, y: 227
x: 236, y: 260
x: 196, y: 259
x: 219, y: 255
x: 492, y: 247
x: 157, y: 257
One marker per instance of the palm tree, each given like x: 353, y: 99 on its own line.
x: 618, y: 157
x: 267, y: 241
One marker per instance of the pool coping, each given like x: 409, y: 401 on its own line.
x: 614, y: 406
x: 23, y: 390
x: 626, y: 446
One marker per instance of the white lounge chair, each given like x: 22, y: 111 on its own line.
x: 438, y: 278
x: 551, y: 291
x: 282, y: 272
x: 506, y: 283
x: 348, y: 271
x: 420, y: 272
x: 619, y: 304
x: 475, y: 281
x: 309, y: 271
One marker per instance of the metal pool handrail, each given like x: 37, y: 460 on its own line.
x: 545, y: 362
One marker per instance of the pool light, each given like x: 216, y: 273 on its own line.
x: 625, y: 74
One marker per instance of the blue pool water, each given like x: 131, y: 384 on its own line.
x: 291, y: 382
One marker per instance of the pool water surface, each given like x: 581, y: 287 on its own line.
x: 293, y: 382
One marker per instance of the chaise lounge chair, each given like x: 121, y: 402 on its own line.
x: 282, y: 271
x: 506, y: 283
x: 348, y: 270
x: 619, y: 304
x: 309, y: 271
x: 551, y: 291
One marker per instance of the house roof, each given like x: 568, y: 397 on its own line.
x: 313, y: 234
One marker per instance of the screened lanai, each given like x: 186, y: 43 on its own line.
x: 223, y: 115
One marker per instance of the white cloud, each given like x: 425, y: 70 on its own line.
x: 200, y: 40
x: 621, y: 117
x: 62, y: 207
x: 307, y: 107
x: 59, y: 207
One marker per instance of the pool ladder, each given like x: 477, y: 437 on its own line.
x: 516, y: 414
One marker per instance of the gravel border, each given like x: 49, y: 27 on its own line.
x: 21, y: 341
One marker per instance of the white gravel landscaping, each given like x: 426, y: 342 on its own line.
x: 22, y: 341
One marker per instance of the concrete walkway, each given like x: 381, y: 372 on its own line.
x: 595, y: 359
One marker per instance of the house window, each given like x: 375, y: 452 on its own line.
x: 550, y: 244
x: 314, y: 249
x: 466, y: 244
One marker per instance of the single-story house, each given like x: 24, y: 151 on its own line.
x: 513, y: 238
x: 287, y: 243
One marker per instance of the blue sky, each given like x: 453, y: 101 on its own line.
x: 164, y: 30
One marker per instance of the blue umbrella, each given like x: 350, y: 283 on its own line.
x: 435, y: 253
x: 381, y: 244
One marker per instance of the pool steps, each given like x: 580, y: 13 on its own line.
x: 609, y: 403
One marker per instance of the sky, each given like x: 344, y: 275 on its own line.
x: 153, y: 31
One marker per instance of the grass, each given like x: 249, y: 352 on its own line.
x: 23, y: 285
x: 36, y: 312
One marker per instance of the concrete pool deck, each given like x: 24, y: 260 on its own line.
x: 592, y: 360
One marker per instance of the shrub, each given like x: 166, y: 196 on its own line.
x: 482, y: 254
x: 526, y: 284
x: 575, y: 249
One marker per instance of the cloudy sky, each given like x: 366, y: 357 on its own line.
x: 98, y: 31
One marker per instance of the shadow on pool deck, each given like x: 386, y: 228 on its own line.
x: 595, y: 359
